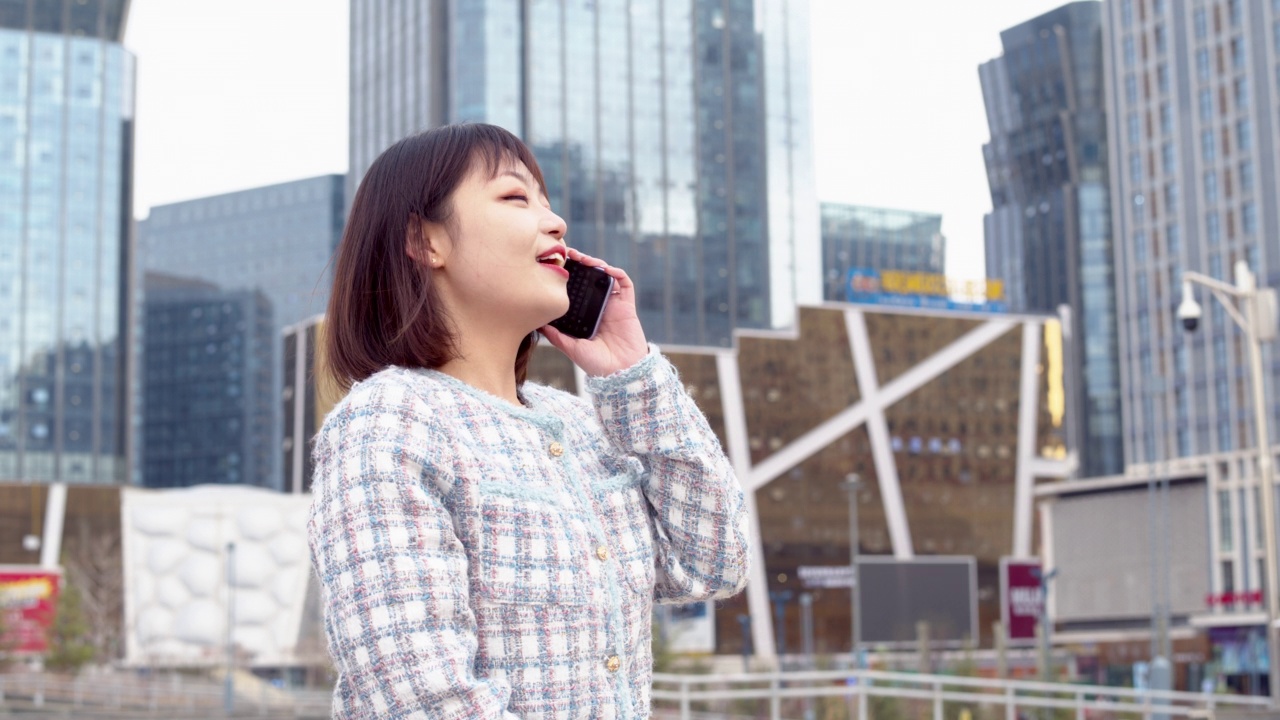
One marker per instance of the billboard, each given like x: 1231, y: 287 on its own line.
x: 690, y: 628
x: 1020, y: 599
x: 28, y: 598
x: 895, y: 595
x: 922, y: 290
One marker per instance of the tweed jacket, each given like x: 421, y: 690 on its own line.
x: 479, y: 559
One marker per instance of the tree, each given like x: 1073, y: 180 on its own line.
x: 69, y: 645
x: 94, y: 566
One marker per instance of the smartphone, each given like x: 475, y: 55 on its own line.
x: 589, y: 290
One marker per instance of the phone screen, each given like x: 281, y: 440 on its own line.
x: 589, y: 289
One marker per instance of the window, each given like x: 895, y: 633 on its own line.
x: 1213, y: 227
x: 1211, y: 187
x: 1140, y: 247
x: 1162, y: 79
x: 1157, y: 7
x: 1275, y: 35
x: 1203, y: 69
x: 1171, y: 198
x: 1166, y: 119
x: 1233, y: 10
x: 1249, y: 218
x: 1126, y: 12
x: 1161, y: 43
x: 1242, y: 94
x: 1206, y: 105
x: 1207, y: 147
x: 1168, y: 160
x: 1237, y: 53
x: 1135, y: 129
x: 1135, y: 168
x: 1246, y: 176
x: 1131, y: 88
x: 1173, y: 237
x: 1201, y: 21
x: 1130, y: 57
x: 1244, y: 135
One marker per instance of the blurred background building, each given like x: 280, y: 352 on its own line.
x: 857, y: 237
x: 1049, y: 233
x: 276, y: 241
x: 66, y: 174
x: 206, y: 385
x: 674, y: 136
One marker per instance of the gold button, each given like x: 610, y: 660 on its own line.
x: 613, y: 663
x: 556, y: 449
x: 602, y: 552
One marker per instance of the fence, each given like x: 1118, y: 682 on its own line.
x: 169, y: 696
x: 822, y: 695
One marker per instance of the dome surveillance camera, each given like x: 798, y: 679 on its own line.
x: 1189, y: 310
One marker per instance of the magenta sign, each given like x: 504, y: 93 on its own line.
x: 1020, y: 600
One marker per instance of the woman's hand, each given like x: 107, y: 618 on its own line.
x: 619, y: 343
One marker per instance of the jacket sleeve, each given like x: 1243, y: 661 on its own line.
x: 393, y: 572
x: 701, y: 524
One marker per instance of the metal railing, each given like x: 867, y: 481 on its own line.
x: 170, y: 696
x: 792, y: 695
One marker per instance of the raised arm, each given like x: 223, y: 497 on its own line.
x: 395, y: 591
x: 701, y: 519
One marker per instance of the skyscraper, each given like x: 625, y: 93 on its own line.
x: 878, y: 239
x: 277, y: 240
x: 66, y: 169
x: 1047, y: 167
x: 206, y: 385
x: 1195, y: 136
x: 674, y: 135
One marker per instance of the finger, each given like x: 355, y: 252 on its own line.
x: 557, y: 339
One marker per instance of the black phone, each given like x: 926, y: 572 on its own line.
x: 589, y: 290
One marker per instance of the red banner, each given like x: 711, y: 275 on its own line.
x: 1020, y: 598
x: 28, y: 597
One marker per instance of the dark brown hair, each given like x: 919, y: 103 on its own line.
x: 384, y: 308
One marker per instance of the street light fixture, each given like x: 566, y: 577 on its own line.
x: 852, y: 483
x: 1254, y: 312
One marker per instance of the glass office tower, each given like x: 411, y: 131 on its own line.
x: 1047, y: 168
x: 66, y: 148
x: 674, y: 135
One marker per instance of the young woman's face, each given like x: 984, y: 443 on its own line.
x: 503, y: 260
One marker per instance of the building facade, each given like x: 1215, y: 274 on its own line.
x: 948, y: 418
x: 674, y: 136
x: 276, y: 240
x: 1047, y: 164
x: 66, y: 168
x: 1194, y: 130
x: 855, y: 237
x: 206, y: 385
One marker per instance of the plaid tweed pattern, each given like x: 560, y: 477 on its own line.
x: 483, y: 560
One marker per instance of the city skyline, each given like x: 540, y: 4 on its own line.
x: 900, y: 158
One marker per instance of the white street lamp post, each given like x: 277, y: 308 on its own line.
x: 1258, y: 321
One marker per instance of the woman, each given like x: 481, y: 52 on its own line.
x: 490, y: 548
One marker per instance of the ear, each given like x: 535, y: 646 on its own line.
x: 426, y: 242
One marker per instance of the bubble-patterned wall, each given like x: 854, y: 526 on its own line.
x: 177, y: 584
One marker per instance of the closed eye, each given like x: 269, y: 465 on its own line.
x: 522, y: 198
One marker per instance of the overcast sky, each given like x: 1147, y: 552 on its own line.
x: 234, y: 94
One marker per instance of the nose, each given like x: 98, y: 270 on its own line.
x: 554, y: 225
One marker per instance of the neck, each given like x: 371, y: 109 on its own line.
x: 487, y: 362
